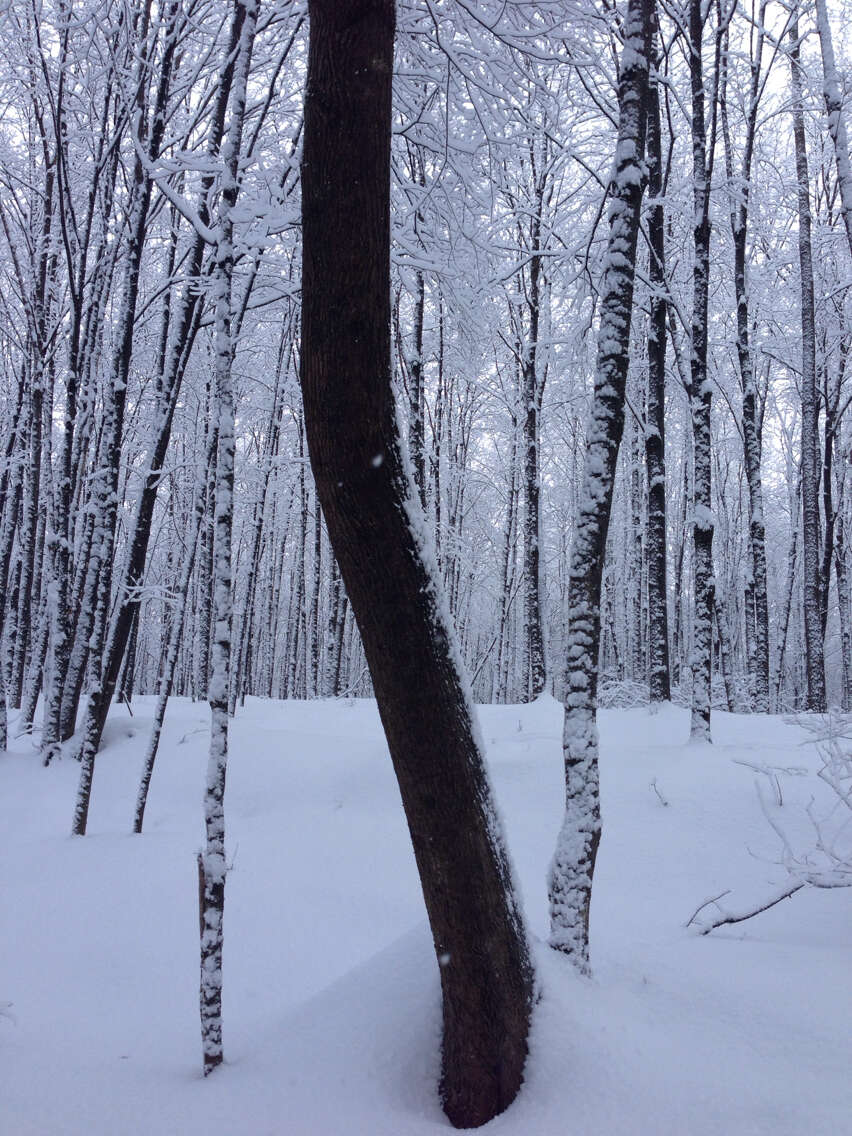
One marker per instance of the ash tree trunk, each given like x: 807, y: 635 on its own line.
x: 811, y: 600
x: 34, y: 511
x: 752, y: 411
x: 416, y: 392
x: 535, y: 675
x: 10, y: 497
x: 212, y: 863
x: 700, y: 390
x: 573, y: 865
x: 659, y: 679
x: 380, y: 538
x: 833, y: 94
x: 843, y: 601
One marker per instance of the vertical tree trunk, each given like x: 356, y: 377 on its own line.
x: 416, y: 430
x: 10, y: 491
x: 815, y: 663
x: 637, y: 654
x: 379, y: 535
x: 724, y: 649
x: 573, y: 863
x: 314, y: 615
x: 700, y: 392
x: 833, y: 93
x: 659, y: 677
x: 205, y: 578
x: 784, y: 622
x: 533, y: 389
x: 752, y: 418
x: 212, y: 864
x: 507, y: 572
x: 334, y: 613
x: 679, y: 634
x: 843, y: 602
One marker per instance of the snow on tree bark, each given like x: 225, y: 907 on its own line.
x: 416, y: 428
x: 636, y: 559
x: 572, y: 869
x: 833, y: 94
x: 212, y: 863
x: 10, y: 494
x: 176, y: 349
x: 700, y: 391
x: 751, y: 411
x: 815, y: 663
x: 659, y: 678
x: 535, y: 675
x: 844, y: 597
x: 98, y: 588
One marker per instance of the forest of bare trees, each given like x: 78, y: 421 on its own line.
x: 613, y: 442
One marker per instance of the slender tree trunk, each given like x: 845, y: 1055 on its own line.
x: 844, y: 597
x: 833, y: 93
x: 36, y: 671
x: 659, y: 677
x: 314, y: 616
x: 573, y: 864
x: 784, y: 622
x: 679, y: 599
x: 507, y: 571
x: 205, y: 580
x: 751, y: 412
x: 724, y: 649
x: 700, y: 393
x: 534, y: 671
x: 815, y: 663
x: 212, y: 864
x: 416, y: 426
x: 10, y: 495
x: 637, y: 653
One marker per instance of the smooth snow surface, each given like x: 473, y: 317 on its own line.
x: 331, y: 1014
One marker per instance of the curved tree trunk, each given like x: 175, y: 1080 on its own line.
x: 386, y: 557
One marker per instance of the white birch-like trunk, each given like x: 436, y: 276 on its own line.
x: 833, y: 93
x: 212, y: 863
x: 572, y: 868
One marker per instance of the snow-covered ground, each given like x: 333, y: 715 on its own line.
x: 331, y: 990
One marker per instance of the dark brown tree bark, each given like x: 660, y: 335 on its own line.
x: 379, y: 536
